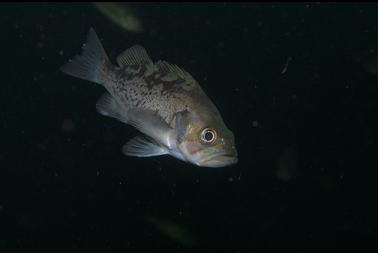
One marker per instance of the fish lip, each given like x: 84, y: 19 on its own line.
x: 233, y: 159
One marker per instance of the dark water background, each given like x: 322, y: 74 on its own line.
x: 76, y: 192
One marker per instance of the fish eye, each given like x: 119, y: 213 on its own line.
x: 208, y: 135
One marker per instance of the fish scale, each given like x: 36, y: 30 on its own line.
x: 147, y: 92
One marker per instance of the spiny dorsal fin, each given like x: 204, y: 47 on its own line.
x: 170, y: 68
x: 172, y: 73
x: 135, y: 55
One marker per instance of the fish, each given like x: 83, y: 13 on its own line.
x: 121, y: 14
x: 161, y: 100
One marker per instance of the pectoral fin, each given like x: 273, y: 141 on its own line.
x: 142, y: 146
x: 151, y: 124
x: 108, y: 106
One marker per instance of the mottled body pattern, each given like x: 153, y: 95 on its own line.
x: 161, y: 100
x: 155, y: 87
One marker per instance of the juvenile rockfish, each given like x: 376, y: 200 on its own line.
x: 161, y: 100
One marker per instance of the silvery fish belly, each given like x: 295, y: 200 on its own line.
x: 164, y: 102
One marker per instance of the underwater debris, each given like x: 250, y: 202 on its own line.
x: 174, y: 230
x: 121, y: 14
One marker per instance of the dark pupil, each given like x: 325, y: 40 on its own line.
x: 208, y: 136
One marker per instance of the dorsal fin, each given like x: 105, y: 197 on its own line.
x: 135, y: 55
x: 170, y: 68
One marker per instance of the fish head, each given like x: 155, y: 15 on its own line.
x: 205, y: 141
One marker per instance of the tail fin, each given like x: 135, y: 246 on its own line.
x: 90, y: 62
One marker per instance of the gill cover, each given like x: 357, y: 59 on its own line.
x: 183, y: 125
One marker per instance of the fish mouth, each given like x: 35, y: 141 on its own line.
x: 219, y: 159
